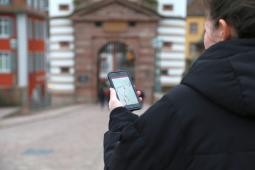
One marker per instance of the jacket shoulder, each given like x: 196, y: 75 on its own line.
x: 186, y: 100
x: 182, y: 94
x: 170, y: 107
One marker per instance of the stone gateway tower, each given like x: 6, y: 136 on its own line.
x: 113, y: 35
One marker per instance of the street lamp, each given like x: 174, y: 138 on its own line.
x: 157, y: 44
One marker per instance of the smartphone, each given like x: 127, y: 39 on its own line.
x: 124, y: 87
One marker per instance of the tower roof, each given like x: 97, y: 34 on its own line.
x: 138, y: 8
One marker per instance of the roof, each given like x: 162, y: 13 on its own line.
x: 195, y: 8
x: 138, y: 7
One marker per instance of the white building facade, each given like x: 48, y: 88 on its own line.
x: 61, y: 73
x: 171, y: 34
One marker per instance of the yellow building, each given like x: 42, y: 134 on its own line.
x: 194, y: 29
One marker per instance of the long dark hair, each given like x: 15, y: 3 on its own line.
x: 238, y: 13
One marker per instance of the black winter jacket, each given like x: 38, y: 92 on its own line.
x: 205, y: 123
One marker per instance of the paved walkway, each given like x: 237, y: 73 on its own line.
x: 4, y: 111
x: 69, y: 138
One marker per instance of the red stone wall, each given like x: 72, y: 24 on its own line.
x: 90, y: 39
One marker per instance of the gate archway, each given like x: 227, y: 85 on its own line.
x: 114, y: 56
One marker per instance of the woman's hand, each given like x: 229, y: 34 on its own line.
x: 114, y: 101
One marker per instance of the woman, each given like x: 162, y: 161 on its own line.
x: 208, y: 121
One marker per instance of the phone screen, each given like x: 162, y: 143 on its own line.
x: 124, y: 90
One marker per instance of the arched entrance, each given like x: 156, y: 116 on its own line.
x: 114, y: 56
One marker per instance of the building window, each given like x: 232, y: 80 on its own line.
x: 5, y: 27
x: 31, y: 64
x: 42, y: 5
x: 30, y: 3
x: 42, y: 62
x: 63, y: 7
x: 36, y: 63
x: 65, y: 70
x: 35, y: 29
x: 39, y: 62
x: 98, y: 24
x: 5, y: 2
x: 168, y: 7
x: 167, y: 44
x: 30, y: 29
x: 38, y: 29
x: 192, y: 48
x: 164, y: 72
x: 5, y: 62
x: 42, y: 30
x: 64, y: 44
x: 193, y: 28
x: 37, y: 4
x: 132, y: 24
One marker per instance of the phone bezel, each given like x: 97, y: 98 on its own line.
x: 116, y: 74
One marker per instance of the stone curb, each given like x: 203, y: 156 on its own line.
x: 41, y: 115
x: 8, y: 111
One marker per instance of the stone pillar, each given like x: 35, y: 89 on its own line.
x: 22, y: 57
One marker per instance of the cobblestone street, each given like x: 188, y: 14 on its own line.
x: 69, y: 138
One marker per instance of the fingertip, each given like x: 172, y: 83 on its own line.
x: 112, y: 89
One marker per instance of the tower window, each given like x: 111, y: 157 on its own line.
x: 98, y: 24
x: 65, y: 70
x: 132, y: 24
x: 168, y: 7
x: 64, y: 44
x: 63, y: 7
x: 164, y: 72
x: 167, y: 44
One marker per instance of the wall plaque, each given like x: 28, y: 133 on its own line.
x: 115, y: 26
x: 83, y: 79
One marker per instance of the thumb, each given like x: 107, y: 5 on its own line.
x: 113, y: 95
x: 114, y: 101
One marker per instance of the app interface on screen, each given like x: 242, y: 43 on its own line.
x: 124, y: 90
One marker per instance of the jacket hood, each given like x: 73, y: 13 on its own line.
x: 225, y: 74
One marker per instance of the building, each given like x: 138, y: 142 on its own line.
x: 117, y: 31
x: 171, y: 39
x: 22, y: 51
x: 61, y: 74
x: 108, y: 35
x: 195, y: 30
